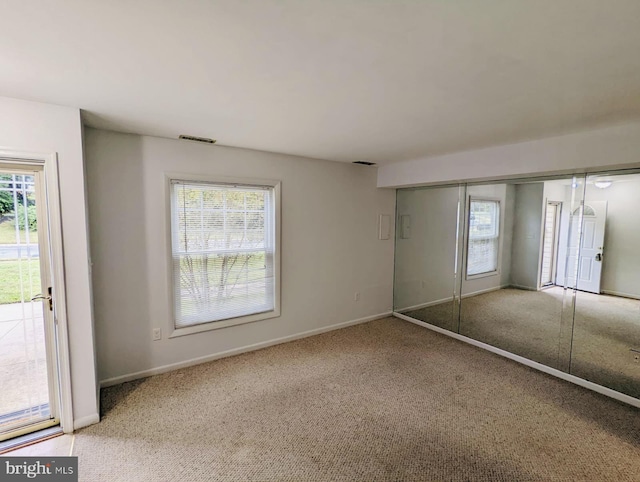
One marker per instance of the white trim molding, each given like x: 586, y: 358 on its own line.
x: 481, y: 292
x: 621, y: 294
x: 237, y: 351
x: 530, y: 363
x: 451, y: 298
x: 523, y: 287
x: 49, y: 161
x: 427, y: 304
x: 86, y: 421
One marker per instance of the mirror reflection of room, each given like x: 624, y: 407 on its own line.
x: 544, y: 269
x: 499, y: 250
x: 606, y: 341
x: 514, y: 276
x: 425, y: 263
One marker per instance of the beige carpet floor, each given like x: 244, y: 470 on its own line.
x: 385, y: 400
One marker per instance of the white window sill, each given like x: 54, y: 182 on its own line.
x: 216, y: 325
x: 471, y: 277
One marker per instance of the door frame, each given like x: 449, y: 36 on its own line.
x: 553, y: 269
x: 49, y: 163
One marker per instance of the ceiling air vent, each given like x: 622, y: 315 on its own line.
x: 365, y: 163
x: 206, y: 140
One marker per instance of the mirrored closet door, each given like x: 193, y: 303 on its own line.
x: 426, y: 257
x: 514, y: 283
x: 543, y: 268
x: 606, y: 334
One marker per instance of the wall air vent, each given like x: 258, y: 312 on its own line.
x: 206, y: 140
x: 365, y: 163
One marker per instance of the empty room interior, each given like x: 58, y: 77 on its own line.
x: 277, y: 240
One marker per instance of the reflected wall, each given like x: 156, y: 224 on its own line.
x: 529, y: 267
x: 427, y: 242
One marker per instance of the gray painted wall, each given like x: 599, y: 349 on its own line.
x: 527, y: 235
x: 425, y: 261
x: 330, y: 247
x: 621, y: 262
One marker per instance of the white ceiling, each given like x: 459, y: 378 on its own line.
x: 333, y: 79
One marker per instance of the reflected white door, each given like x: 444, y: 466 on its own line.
x: 585, y: 273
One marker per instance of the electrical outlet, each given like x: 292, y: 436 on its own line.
x: 156, y: 334
x: 356, y: 296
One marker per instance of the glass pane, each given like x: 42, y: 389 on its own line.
x: 513, y: 290
x: 222, y: 251
x: 484, y: 228
x: 426, y: 253
x: 606, y: 344
x: 217, y: 287
x: 24, y: 396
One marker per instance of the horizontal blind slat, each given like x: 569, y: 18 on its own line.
x: 223, y: 251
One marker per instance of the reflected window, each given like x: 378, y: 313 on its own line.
x: 484, y: 237
x: 588, y: 211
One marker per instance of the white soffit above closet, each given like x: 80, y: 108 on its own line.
x: 342, y: 80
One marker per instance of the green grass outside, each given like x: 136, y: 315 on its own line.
x: 8, y: 234
x: 11, y: 281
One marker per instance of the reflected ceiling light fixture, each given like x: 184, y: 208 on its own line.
x: 602, y: 184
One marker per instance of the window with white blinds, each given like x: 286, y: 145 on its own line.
x: 224, y: 251
x: 484, y: 237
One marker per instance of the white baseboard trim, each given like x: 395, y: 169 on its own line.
x: 447, y: 300
x: 620, y: 294
x: 427, y: 304
x: 480, y: 292
x: 530, y: 363
x: 85, y: 421
x: 523, y: 287
x: 236, y: 351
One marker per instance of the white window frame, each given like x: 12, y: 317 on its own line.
x: 240, y: 182
x: 495, y: 272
